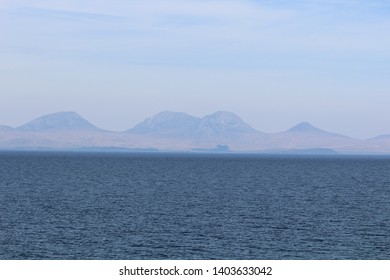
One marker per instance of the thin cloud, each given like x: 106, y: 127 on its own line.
x: 186, y: 30
x: 222, y: 9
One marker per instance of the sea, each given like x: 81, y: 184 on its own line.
x: 132, y: 206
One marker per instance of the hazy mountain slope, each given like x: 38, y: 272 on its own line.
x: 305, y: 127
x: 168, y: 124
x: 6, y: 128
x: 305, y: 130
x: 62, y: 121
x: 380, y: 143
x: 381, y: 137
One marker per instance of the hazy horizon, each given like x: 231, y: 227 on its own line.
x: 273, y: 63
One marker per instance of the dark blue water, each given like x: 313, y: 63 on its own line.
x: 157, y: 206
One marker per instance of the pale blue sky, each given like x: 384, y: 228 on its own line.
x: 274, y: 63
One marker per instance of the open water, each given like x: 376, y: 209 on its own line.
x: 191, y: 206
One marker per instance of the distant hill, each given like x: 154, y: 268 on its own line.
x: 304, y: 127
x: 381, y: 137
x: 62, y: 121
x: 380, y: 143
x: 306, y: 136
x: 307, y: 128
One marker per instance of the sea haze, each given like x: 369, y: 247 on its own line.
x: 186, y: 206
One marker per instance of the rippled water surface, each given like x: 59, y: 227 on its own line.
x: 184, y: 206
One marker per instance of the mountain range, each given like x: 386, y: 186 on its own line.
x: 176, y: 131
x: 173, y: 124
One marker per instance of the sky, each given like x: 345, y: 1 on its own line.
x: 274, y: 63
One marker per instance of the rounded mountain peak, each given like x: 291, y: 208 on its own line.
x: 223, y: 121
x: 169, y: 116
x: 68, y: 120
x: 303, y: 127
